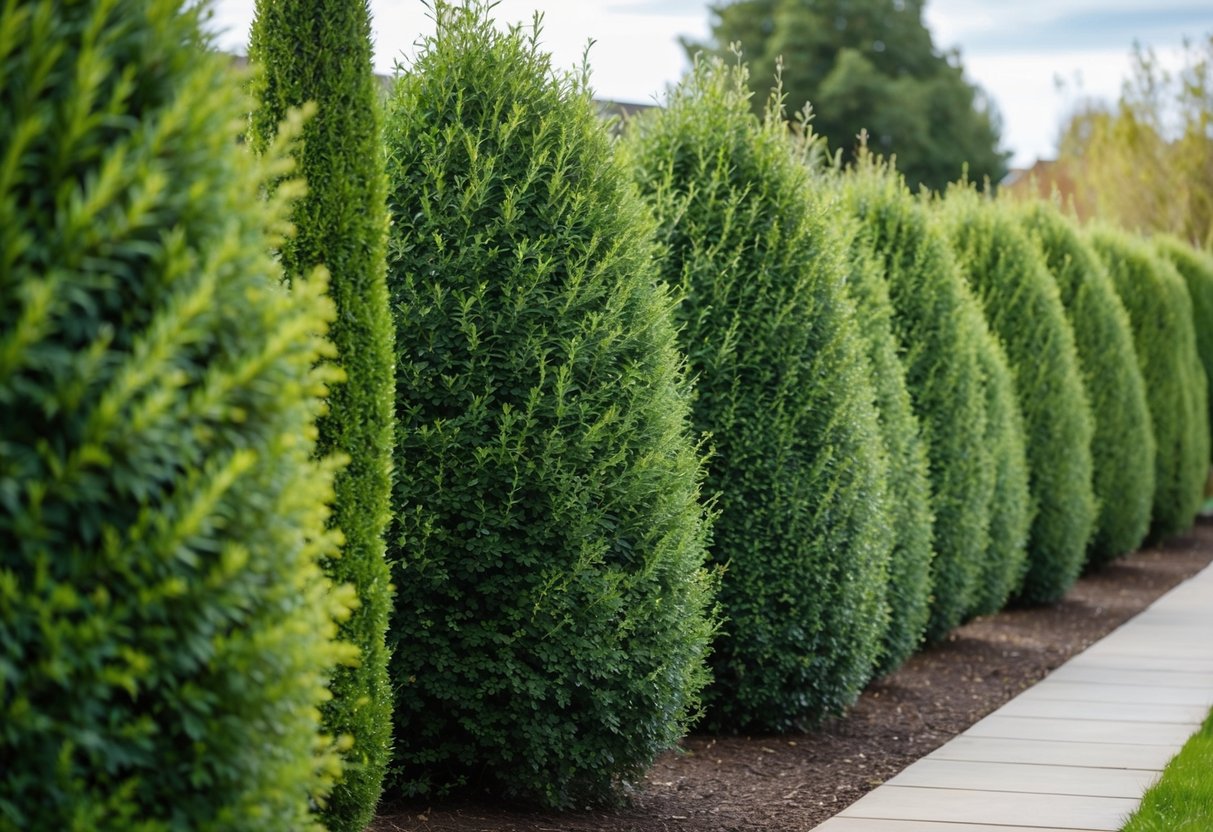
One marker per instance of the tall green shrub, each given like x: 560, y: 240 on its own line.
x: 1196, y: 268
x: 784, y: 389
x: 166, y: 631
x: 1006, y: 559
x: 909, y: 493
x: 1122, y: 449
x: 320, y: 51
x: 934, y: 321
x: 552, y: 604
x: 1160, y: 314
x: 1024, y: 311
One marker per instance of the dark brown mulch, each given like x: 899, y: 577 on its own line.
x: 728, y: 784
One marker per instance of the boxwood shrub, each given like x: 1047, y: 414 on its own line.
x: 1196, y: 268
x: 552, y: 605
x: 1160, y: 314
x: 784, y: 389
x: 1006, y: 560
x: 1024, y: 311
x: 321, y: 52
x: 1122, y: 450
x: 909, y: 493
x: 166, y: 631
x: 934, y: 321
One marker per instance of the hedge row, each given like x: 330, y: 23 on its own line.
x: 680, y: 422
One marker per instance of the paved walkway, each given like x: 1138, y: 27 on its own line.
x: 1075, y: 752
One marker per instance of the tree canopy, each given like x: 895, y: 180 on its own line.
x: 867, y: 65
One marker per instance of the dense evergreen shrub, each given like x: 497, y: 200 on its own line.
x: 552, y: 602
x: 1024, y: 311
x: 1122, y: 449
x: 1196, y: 268
x: 320, y: 51
x: 909, y: 500
x: 934, y: 321
x: 1160, y: 313
x: 166, y: 631
x: 783, y: 387
x: 1006, y: 560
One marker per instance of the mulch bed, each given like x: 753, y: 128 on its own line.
x: 729, y: 784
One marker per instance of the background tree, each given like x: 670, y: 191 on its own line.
x: 784, y: 389
x: 320, y: 51
x: 868, y: 65
x: 548, y: 537
x: 165, y: 627
x: 1146, y: 163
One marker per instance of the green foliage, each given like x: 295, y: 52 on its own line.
x: 320, y: 51
x: 1182, y: 798
x: 937, y: 326
x: 1011, y: 509
x: 1122, y: 449
x: 909, y: 490
x: 1196, y: 268
x: 166, y: 631
x: 868, y: 65
x: 552, y: 603
x: 1024, y: 311
x: 1160, y: 314
x: 783, y: 386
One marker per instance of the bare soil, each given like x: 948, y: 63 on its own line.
x: 794, y: 782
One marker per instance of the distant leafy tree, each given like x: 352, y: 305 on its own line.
x: 784, y: 389
x: 320, y: 51
x: 549, y: 541
x: 868, y: 65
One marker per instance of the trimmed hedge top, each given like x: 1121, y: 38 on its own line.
x: 783, y: 386
x: 552, y: 611
x: 1122, y: 448
x: 1025, y: 313
x: 165, y: 629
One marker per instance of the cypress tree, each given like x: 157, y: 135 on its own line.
x: 166, y: 630
x: 1024, y: 311
x: 320, y: 51
x: 1122, y: 449
x: 784, y: 390
x: 553, y: 610
x: 1006, y: 559
x: 1196, y: 268
x: 1160, y: 315
x: 934, y: 321
x: 909, y: 499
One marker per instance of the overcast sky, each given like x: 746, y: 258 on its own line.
x: 1015, y: 49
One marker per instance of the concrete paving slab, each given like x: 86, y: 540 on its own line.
x: 1095, y: 693
x: 992, y: 808
x: 840, y: 824
x: 1045, y: 752
x: 1035, y: 706
x: 1089, y: 730
x: 1154, y: 664
x: 1097, y: 675
x: 1019, y: 777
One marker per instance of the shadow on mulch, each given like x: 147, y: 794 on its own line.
x: 729, y: 784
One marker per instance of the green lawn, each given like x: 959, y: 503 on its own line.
x: 1182, y: 800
